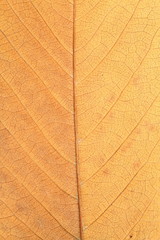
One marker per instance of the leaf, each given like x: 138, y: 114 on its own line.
x: 80, y: 120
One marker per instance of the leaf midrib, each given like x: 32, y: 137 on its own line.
x: 75, y: 129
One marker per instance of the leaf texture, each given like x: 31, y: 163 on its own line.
x: 80, y: 120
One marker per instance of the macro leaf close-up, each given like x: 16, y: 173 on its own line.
x: 80, y: 119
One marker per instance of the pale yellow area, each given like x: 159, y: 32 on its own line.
x: 118, y: 110
x: 80, y: 119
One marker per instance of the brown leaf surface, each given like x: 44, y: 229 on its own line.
x: 80, y: 120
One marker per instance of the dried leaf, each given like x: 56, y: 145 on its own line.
x: 80, y: 120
